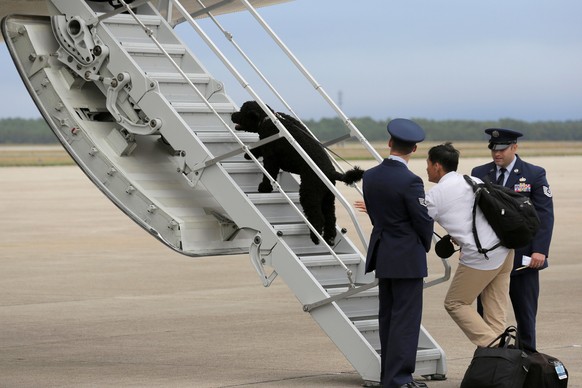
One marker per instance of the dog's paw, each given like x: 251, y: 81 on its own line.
x: 265, y: 187
x: 314, y: 238
x: 330, y: 241
x: 329, y: 236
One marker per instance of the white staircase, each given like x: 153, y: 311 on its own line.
x: 158, y: 141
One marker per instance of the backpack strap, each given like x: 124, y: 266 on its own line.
x: 477, y: 190
x: 471, y: 183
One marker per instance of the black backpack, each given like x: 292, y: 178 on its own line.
x: 511, y: 215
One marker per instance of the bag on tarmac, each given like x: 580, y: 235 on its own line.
x: 545, y: 372
x: 503, y: 366
x: 511, y: 215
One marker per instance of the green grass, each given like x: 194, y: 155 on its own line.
x: 22, y: 156
x: 355, y: 151
x: 55, y: 155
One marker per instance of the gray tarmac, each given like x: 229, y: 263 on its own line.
x: 89, y: 299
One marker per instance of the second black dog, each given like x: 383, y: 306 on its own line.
x: 317, y: 200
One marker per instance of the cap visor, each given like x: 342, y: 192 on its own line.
x: 498, y: 147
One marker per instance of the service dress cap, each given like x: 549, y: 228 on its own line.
x: 501, y: 138
x: 406, y: 130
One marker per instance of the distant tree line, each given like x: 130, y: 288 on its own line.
x: 36, y: 131
x: 25, y: 131
x: 454, y: 130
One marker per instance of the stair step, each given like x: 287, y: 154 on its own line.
x: 297, y: 237
x: 148, y: 20
x: 370, y: 331
x: 308, y: 248
x: 150, y: 58
x: 248, y: 175
x: 276, y: 208
x: 242, y: 168
x: 177, y: 89
x: 220, y: 143
x: 226, y: 137
x: 358, y: 306
x: 152, y: 48
x: 176, y: 78
x: 328, y: 271
x: 125, y: 29
x: 200, y: 107
x: 329, y: 260
x: 292, y: 229
x: 272, y: 198
x: 427, y: 354
x: 208, y: 122
x: 298, y: 229
x: 372, y: 292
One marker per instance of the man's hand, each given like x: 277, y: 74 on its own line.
x: 361, y: 206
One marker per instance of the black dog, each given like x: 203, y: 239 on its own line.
x: 317, y: 200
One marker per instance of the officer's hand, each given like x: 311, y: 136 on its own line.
x: 537, y: 260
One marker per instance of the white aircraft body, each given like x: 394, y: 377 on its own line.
x: 150, y: 126
x: 194, y: 7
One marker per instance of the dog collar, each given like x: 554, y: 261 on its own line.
x: 267, y: 118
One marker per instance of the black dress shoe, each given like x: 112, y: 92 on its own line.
x: 371, y: 384
x: 414, y: 384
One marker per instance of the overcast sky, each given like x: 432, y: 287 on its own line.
x: 449, y: 59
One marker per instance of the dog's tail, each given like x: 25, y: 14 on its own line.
x: 351, y: 176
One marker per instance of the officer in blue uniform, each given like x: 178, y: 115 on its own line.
x: 400, y: 239
x: 509, y: 170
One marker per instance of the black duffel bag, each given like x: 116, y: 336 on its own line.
x: 546, y: 372
x: 503, y: 366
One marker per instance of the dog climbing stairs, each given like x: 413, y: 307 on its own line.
x: 151, y: 128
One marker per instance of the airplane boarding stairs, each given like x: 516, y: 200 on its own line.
x: 159, y: 143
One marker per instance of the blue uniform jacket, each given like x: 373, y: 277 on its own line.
x: 402, y: 228
x: 529, y: 180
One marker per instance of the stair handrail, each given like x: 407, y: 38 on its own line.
x: 229, y: 36
x: 348, y: 123
x: 244, y: 147
x: 318, y: 87
x: 284, y: 132
x: 275, y: 121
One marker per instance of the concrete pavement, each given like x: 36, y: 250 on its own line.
x: 89, y: 299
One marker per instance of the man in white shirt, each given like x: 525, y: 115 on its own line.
x: 450, y: 203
